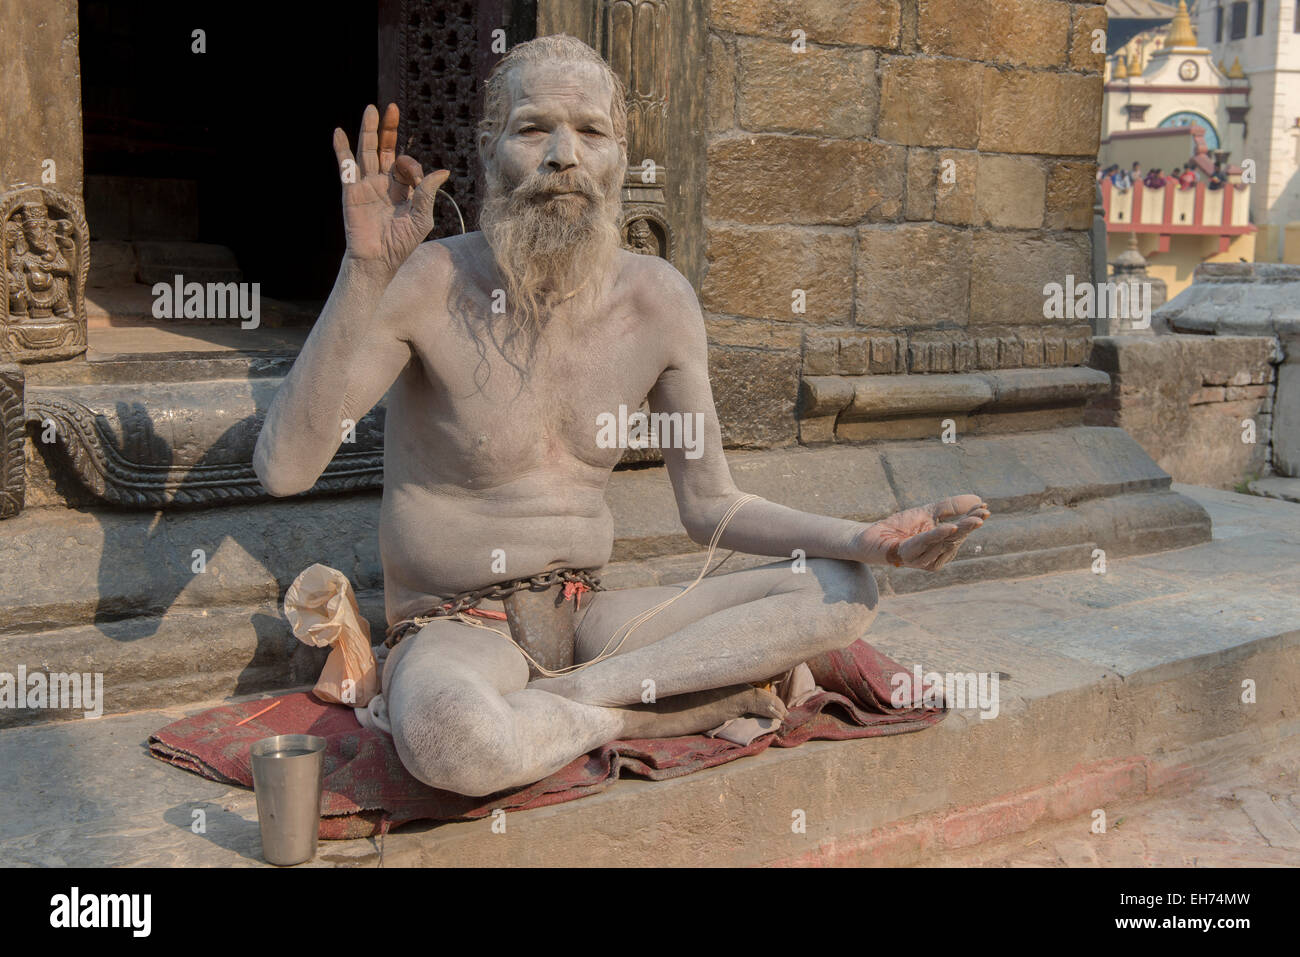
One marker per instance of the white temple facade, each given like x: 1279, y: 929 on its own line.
x: 1161, y: 84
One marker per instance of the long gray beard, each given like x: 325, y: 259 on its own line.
x: 545, y: 251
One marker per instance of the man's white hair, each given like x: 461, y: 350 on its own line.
x: 556, y: 48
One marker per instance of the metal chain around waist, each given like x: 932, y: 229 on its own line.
x: 471, y: 599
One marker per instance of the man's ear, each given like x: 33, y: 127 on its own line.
x: 485, y: 142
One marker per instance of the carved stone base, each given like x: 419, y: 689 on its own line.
x: 852, y: 352
x: 862, y: 408
x: 174, y: 443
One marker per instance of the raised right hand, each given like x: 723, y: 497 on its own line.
x: 388, y: 210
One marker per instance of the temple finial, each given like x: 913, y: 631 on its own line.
x: 1181, y: 33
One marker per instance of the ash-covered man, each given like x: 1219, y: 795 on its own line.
x: 491, y: 447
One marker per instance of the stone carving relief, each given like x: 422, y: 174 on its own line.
x: 46, y: 260
x: 646, y: 234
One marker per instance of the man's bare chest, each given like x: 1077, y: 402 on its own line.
x: 499, y: 404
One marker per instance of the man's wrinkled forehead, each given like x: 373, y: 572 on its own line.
x: 573, y: 87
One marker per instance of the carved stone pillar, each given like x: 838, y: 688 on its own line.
x: 657, y: 48
x: 46, y: 253
x: 634, y: 37
x: 12, y: 434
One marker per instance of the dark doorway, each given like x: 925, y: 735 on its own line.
x: 230, y: 146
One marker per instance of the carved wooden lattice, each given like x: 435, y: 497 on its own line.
x: 438, y: 92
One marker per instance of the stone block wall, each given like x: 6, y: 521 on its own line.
x: 1187, y: 400
x: 919, y: 171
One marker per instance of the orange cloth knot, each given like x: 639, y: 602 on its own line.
x: 574, y: 590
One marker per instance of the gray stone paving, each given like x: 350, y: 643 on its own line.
x: 1245, y: 813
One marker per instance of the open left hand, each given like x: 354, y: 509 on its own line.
x: 924, y: 537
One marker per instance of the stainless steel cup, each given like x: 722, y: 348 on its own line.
x: 287, y: 773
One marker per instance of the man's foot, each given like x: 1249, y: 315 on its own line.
x: 698, y: 712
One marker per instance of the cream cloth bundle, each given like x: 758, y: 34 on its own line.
x: 322, y: 610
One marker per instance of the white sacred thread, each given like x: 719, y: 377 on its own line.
x: 456, y: 207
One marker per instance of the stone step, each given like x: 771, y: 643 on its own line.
x: 1277, y: 486
x: 83, y: 586
x: 1116, y: 685
x: 144, y: 353
x: 162, y: 261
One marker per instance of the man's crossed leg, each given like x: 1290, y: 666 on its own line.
x: 465, y: 717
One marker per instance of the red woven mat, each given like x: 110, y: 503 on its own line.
x: 366, y: 784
